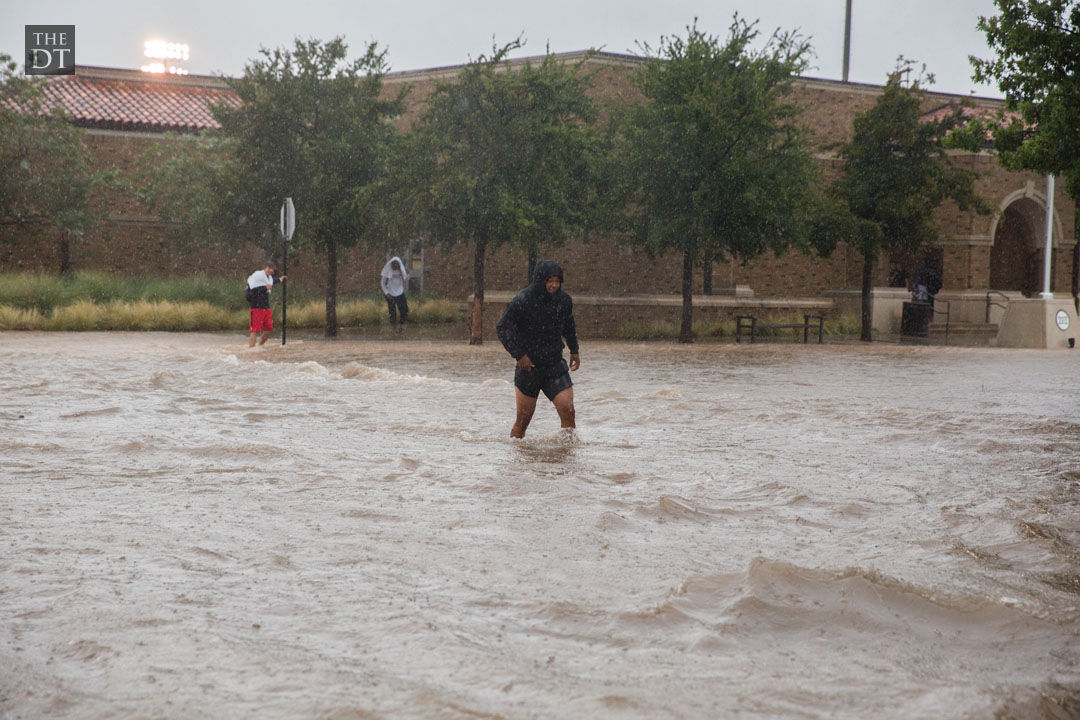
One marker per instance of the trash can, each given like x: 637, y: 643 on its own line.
x: 915, y: 319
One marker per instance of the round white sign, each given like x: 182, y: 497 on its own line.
x: 1062, y: 319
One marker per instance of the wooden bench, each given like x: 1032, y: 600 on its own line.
x: 749, y: 322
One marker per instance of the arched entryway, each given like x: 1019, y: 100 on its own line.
x: 1017, y: 255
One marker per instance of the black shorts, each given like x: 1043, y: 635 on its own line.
x: 552, y: 379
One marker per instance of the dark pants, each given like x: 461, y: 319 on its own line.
x: 397, y: 304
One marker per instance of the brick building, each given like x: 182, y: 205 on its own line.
x: 124, y: 111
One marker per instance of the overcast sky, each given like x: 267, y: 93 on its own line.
x: 224, y: 34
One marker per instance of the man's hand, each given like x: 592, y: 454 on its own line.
x: 575, y: 361
x: 525, y: 363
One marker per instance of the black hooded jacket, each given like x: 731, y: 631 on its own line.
x: 536, y: 321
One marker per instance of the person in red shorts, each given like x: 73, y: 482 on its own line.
x: 258, y: 296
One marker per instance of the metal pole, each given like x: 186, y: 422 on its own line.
x: 847, y: 40
x: 1046, y: 294
x: 284, y: 285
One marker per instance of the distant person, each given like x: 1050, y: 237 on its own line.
x: 394, y: 280
x: 258, y: 297
x: 532, y: 330
x: 897, y: 276
x: 927, y: 281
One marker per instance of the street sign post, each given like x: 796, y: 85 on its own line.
x: 288, y: 227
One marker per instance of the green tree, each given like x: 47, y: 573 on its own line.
x: 310, y: 125
x: 503, y: 156
x: 713, y: 165
x: 1037, y: 45
x: 195, y: 185
x: 315, y: 127
x: 896, y: 172
x: 46, y: 171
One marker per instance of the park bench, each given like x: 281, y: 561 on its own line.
x: 750, y: 323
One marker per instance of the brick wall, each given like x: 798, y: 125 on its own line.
x: 133, y: 242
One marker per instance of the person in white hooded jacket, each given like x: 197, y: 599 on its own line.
x: 393, y: 280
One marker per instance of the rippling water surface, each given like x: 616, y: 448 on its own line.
x: 345, y: 530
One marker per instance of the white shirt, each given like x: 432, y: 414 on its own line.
x: 259, y: 278
x: 392, y: 279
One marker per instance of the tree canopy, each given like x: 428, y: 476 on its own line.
x: 896, y: 172
x: 502, y: 155
x: 46, y: 171
x: 715, y: 167
x: 311, y: 125
x: 1037, y: 46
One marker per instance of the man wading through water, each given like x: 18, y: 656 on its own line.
x: 532, y: 330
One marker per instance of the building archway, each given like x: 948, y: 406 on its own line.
x: 1016, y: 258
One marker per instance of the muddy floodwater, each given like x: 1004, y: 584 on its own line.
x: 189, y: 529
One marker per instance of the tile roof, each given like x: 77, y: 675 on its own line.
x: 981, y: 112
x: 133, y: 100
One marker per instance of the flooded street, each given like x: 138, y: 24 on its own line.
x: 345, y: 530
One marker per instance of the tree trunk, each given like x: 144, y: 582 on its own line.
x: 65, y: 255
x: 686, y: 330
x: 331, y: 288
x: 706, y: 274
x: 532, y: 264
x: 476, y: 326
x: 869, y: 258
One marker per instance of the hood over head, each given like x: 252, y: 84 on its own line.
x: 388, y: 268
x: 544, y: 270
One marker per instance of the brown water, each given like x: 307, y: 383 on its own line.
x: 345, y: 530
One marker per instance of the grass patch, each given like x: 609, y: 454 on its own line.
x: 311, y: 314
x: 80, y: 315
x: 84, y: 315
x: 44, y: 291
x: 361, y: 313
x: 95, y: 300
x: 714, y: 328
x: 844, y: 325
x: 436, y: 312
x: 651, y: 330
x: 12, y: 318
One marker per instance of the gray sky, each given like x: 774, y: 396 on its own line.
x: 225, y: 34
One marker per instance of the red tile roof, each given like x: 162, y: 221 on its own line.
x: 134, y: 100
x: 982, y: 112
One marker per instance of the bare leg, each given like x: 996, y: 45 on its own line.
x: 262, y: 337
x: 251, y: 341
x: 525, y: 407
x: 564, y: 404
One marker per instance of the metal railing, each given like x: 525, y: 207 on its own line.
x: 990, y: 302
x: 946, y: 312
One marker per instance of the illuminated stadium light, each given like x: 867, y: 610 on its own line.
x: 163, y: 52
